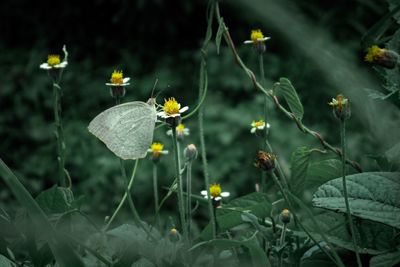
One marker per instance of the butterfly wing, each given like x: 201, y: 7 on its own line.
x: 126, y: 129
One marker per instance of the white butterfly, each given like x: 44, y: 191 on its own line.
x: 127, y: 129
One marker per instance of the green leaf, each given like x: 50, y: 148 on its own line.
x: 373, y: 196
x: 385, y: 260
x: 291, y: 97
x: 55, y: 200
x: 220, y: 33
x: 230, y: 215
x: 62, y: 252
x: 321, y: 172
x: 299, y: 162
x: 5, y: 262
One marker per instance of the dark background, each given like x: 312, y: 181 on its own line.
x: 316, y: 44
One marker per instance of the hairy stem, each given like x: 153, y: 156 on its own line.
x: 346, y: 197
x: 155, y: 190
x: 189, y: 196
x: 59, y: 135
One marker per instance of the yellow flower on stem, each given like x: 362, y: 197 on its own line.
x: 117, y: 79
x: 215, y: 192
x: 156, y: 150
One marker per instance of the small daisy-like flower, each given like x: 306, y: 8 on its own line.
x: 259, y: 126
x: 156, y: 151
x: 117, y: 79
x: 341, y: 107
x: 53, y: 62
x: 181, y: 131
x: 265, y: 161
x: 171, y: 108
x: 381, y: 56
x: 215, y: 192
x: 256, y: 37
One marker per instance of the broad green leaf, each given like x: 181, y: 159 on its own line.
x: 385, y: 260
x: 373, y: 196
x: 299, y: 162
x: 62, y: 252
x: 258, y: 256
x: 320, y: 172
x: 55, y: 200
x: 291, y: 97
x: 5, y: 262
x: 220, y: 32
x: 230, y: 214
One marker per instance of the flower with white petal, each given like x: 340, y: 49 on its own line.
x: 156, y: 150
x: 54, y: 62
x: 171, y: 109
x: 117, y: 79
x: 181, y: 131
x: 259, y: 126
x: 256, y: 37
x: 215, y: 192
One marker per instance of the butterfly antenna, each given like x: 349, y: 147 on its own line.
x: 154, y: 88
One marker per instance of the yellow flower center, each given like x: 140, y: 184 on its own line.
x: 215, y: 190
x: 259, y: 123
x: 171, y: 106
x: 373, y: 53
x: 53, y: 60
x: 156, y: 148
x: 180, y: 128
x: 255, y: 35
x: 285, y: 212
x: 339, y: 102
x: 117, y: 77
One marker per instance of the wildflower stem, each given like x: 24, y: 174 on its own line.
x: 59, y: 136
x: 262, y: 75
x: 281, y: 242
x: 346, y: 197
x: 189, y: 196
x: 335, y: 258
x: 180, y: 185
x: 128, y: 189
x: 155, y: 189
x: 203, y: 85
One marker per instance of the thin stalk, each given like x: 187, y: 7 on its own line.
x: 59, y: 134
x: 189, y: 196
x: 262, y: 75
x: 346, y: 197
x: 127, y: 191
x: 155, y: 189
x: 336, y: 259
x: 121, y: 203
x: 180, y: 185
x: 281, y: 241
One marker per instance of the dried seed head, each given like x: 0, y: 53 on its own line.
x: 265, y: 161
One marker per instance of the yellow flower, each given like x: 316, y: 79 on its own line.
x: 171, y: 108
x: 374, y: 52
x: 156, y: 150
x: 53, y: 60
x: 256, y: 37
x: 339, y: 102
x: 258, y: 126
x: 215, y: 192
x: 117, y: 79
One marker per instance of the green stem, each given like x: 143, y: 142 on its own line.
x: 129, y: 186
x: 180, y: 185
x: 336, y: 259
x: 59, y: 134
x: 346, y: 197
x: 203, y: 85
x: 262, y: 75
x: 189, y: 196
x: 281, y: 241
x: 155, y: 189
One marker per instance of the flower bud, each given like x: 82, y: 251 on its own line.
x: 265, y: 161
x: 341, y: 107
x: 173, y: 235
x: 190, y: 152
x: 285, y: 216
x: 117, y: 91
x: 383, y: 57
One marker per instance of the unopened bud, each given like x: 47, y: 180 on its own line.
x: 285, y: 216
x: 173, y: 235
x: 190, y: 152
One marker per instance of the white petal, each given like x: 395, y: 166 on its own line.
x: 217, y: 198
x: 164, y: 152
x: 169, y: 132
x: 183, y: 109
x: 125, y: 80
x: 225, y: 194
x: 45, y: 66
x: 204, y: 192
x: 268, y: 125
x: 253, y: 130
x: 263, y: 39
x: 248, y: 42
